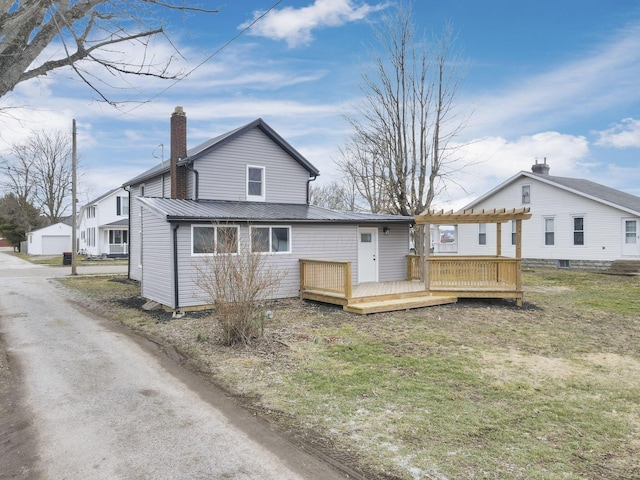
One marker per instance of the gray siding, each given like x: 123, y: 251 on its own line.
x: 392, y: 253
x: 334, y: 242
x: 157, y: 273
x: 223, y: 171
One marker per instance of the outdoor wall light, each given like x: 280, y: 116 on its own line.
x: 386, y: 230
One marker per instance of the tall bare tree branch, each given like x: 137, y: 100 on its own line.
x: 83, y: 28
x: 402, y: 154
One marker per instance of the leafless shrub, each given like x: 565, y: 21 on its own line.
x: 236, y: 276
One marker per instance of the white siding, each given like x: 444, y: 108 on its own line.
x: 223, y: 171
x: 602, y: 225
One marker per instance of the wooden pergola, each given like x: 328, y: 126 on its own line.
x: 472, y: 276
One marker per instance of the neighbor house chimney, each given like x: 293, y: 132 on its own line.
x: 541, y: 168
x: 178, y: 152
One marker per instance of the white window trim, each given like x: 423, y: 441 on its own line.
x: 256, y: 198
x: 522, y: 196
x: 482, y: 231
x: 544, y: 231
x: 270, y: 227
x: 215, y: 227
x: 584, y: 230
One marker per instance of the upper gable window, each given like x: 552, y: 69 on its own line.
x: 255, y: 183
x: 122, y: 206
x: 526, y: 193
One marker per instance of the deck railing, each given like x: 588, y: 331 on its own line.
x: 118, y: 248
x: 413, y: 267
x: 474, y: 272
x: 326, y: 276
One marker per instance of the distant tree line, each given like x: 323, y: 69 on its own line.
x: 35, y: 177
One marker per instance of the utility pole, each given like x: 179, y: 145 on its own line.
x: 73, y: 199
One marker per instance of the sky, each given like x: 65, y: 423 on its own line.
x: 548, y: 79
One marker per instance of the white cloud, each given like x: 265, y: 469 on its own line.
x: 492, y: 160
x: 295, y: 25
x: 625, y: 134
x: 601, y: 80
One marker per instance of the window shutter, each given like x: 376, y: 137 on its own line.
x: 118, y: 206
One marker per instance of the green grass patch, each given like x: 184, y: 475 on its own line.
x: 476, y: 390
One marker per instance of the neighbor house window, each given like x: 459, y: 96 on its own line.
x: 549, y: 231
x: 526, y: 193
x: 482, y: 234
x: 255, y: 183
x: 630, y: 235
x: 578, y: 230
x: 117, y: 237
x: 513, y: 232
x: 271, y: 239
x: 122, y: 206
x: 91, y: 212
x: 142, y: 190
x: 210, y: 240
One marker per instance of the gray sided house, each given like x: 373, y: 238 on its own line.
x: 249, y: 180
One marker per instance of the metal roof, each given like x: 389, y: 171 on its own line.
x: 220, y: 210
x: 216, y: 142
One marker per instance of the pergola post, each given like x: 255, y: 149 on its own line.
x: 426, y: 249
x: 519, y: 259
x: 498, y: 239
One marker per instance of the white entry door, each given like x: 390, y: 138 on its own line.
x: 630, y: 237
x: 367, y: 255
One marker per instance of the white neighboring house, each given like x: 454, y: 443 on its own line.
x: 52, y: 240
x: 575, y: 222
x: 103, y: 225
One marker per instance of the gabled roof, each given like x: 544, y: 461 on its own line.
x: 585, y: 188
x: 214, y: 143
x: 221, y: 210
x: 104, y: 195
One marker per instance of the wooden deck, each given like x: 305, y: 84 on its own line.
x: 447, y: 279
x: 380, y: 297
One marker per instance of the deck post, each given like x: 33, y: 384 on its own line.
x: 426, y: 249
x: 347, y: 280
x: 302, y: 275
x: 498, y: 239
x: 519, y: 260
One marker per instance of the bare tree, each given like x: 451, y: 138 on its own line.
x: 337, y: 195
x: 85, y: 31
x: 401, y: 154
x: 236, y: 276
x: 38, y: 172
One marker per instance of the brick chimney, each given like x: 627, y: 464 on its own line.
x: 541, y: 168
x: 178, y: 152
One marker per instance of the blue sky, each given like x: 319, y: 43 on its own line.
x: 554, y: 79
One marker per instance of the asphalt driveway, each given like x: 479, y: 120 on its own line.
x: 90, y: 401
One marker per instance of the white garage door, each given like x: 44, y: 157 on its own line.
x: 55, y: 244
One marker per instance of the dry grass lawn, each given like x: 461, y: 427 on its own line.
x: 476, y: 390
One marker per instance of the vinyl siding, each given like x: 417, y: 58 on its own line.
x: 317, y: 242
x: 392, y: 252
x: 157, y: 278
x: 223, y: 172
x: 602, y: 225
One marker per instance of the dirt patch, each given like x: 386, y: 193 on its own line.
x: 18, y: 451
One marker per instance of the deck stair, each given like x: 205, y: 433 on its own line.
x: 378, y: 298
x: 393, y: 304
x: 624, y: 267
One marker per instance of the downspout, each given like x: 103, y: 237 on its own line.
x: 309, y: 186
x: 197, y: 180
x: 128, y: 190
x: 176, y: 290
